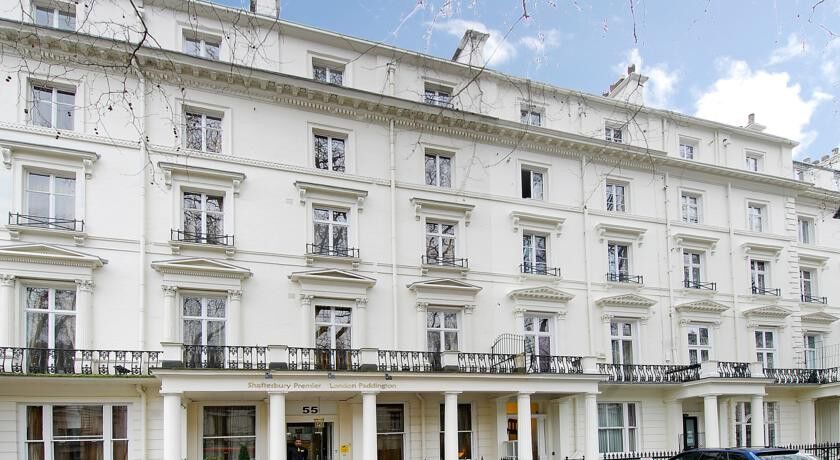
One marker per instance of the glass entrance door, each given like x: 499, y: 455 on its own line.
x: 318, y: 444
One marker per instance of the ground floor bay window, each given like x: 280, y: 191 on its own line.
x: 229, y: 432
x: 70, y: 432
x: 617, y: 427
x: 465, y: 434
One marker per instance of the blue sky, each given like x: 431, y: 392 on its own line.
x: 712, y: 58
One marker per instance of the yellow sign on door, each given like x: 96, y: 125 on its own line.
x: 344, y: 449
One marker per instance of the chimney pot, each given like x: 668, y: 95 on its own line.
x: 631, y: 69
x: 835, y: 151
x: 751, y: 119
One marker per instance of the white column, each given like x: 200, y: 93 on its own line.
x: 501, y: 424
x: 84, y: 314
x: 234, y: 318
x: 277, y: 426
x: 566, y: 430
x: 308, y: 318
x: 171, y: 426
x: 710, y: 420
x: 675, y: 424
x: 170, y: 316
x: 360, y: 323
x: 590, y: 431
x: 606, y: 324
x: 369, y: 425
x: 7, y: 309
x: 450, y: 426
x: 421, y: 325
x: 757, y: 422
x: 726, y: 434
x: 807, y: 421
x: 523, y: 426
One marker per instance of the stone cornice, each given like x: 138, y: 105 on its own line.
x: 201, y: 267
x: 49, y: 254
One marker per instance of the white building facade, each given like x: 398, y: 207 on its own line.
x: 227, y: 231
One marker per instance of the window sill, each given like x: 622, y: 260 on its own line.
x: 426, y: 268
x: 698, y: 292
x: 16, y: 230
x: 540, y: 277
x: 176, y: 247
x: 311, y: 259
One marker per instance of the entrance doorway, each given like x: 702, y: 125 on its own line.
x: 690, y: 435
x: 318, y: 443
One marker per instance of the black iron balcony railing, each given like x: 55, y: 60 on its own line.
x: 625, y: 278
x: 730, y: 369
x: 445, y: 261
x: 324, y: 250
x: 201, y: 238
x: 486, y: 363
x: 507, y: 363
x: 53, y: 223
x: 547, y: 364
x: 803, y: 376
x: 224, y: 357
x: 539, y: 269
x: 323, y: 359
x: 691, y: 284
x: 764, y: 291
x: 51, y: 361
x: 409, y: 361
x: 650, y: 373
x: 811, y: 299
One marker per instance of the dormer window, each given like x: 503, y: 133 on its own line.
x: 328, y: 73
x: 57, y: 15
x: 613, y: 133
x: 688, y: 148
x: 438, y: 95
x: 530, y: 115
x: 753, y: 161
x: 203, y: 46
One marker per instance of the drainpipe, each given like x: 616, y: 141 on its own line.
x: 141, y: 297
x: 142, y: 393
x: 393, y: 191
x: 669, y: 267
x: 591, y: 345
x: 422, y: 426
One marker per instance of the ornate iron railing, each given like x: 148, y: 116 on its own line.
x: 539, y: 269
x: 201, y: 238
x: 650, y: 373
x: 764, y: 291
x: 549, y: 364
x: 823, y: 451
x: 409, y: 361
x: 732, y: 369
x: 323, y: 359
x: 803, y: 376
x: 51, y: 361
x: 700, y: 285
x: 625, y: 278
x: 24, y: 220
x: 654, y: 455
x: 224, y: 357
x: 811, y: 299
x: 487, y: 363
x: 322, y: 250
x: 445, y: 261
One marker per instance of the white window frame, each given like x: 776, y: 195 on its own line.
x: 697, y: 347
x: 688, y: 148
x: 438, y: 94
x: 754, y: 157
x: 742, y: 422
x: 406, y: 422
x: 440, y: 236
x: 812, y: 349
x: 532, y: 259
x: 472, y: 431
x: 204, y: 114
x: 202, y: 40
x: 614, y: 132
x: 758, y: 217
x: 690, y: 265
x: 332, y: 324
x: 51, y: 214
x: 330, y: 69
x: 54, y: 88
x: 437, y: 155
x: 331, y: 137
x: 55, y: 7
x: 765, y: 354
x: 203, y: 212
x: 616, y: 259
x: 811, y: 281
x: 332, y: 225
x: 629, y: 434
x: 47, y: 440
x: 527, y: 114
x: 442, y: 330
x: 621, y: 339
x: 535, y: 334
x: 806, y: 235
x: 756, y: 272
x: 531, y: 171
x: 51, y: 311
x: 611, y: 188
x: 258, y: 415
x: 203, y: 318
x: 686, y: 207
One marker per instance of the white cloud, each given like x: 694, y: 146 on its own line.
x: 497, y: 50
x: 794, y: 48
x: 662, y: 82
x: 542, y: 41
x: 776, y: 102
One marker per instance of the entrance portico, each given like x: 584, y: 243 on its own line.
x: 373, y: 415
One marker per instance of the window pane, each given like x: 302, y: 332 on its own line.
x: 192, y: 306
x: 192, y: 332
x: 230, y: 421
x: 78, y: 449
x: 445, y: 171
x: 216, y: 307
x: 44, y: 16
x: 65, y: 332
x: 34, y: 423
x: 65, y: 300
x: 212, y: 50
x: 390, y: 418
x: 77, y: 421
x: 192, y: 46
x: 431, y: 170
x: 338, y: 155
x: 119, y: 422
x: 464, y: 418
x: 537, y: 185
x: 322, y: 160
x: 319, y: 73
x: 37, y: 333
x: 433, y: 341
x: 238, y: 448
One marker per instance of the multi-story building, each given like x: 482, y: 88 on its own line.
x: 228, y: 231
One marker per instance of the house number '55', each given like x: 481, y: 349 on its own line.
x: 310, y: 409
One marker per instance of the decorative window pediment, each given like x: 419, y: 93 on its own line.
x: 522, y: 219
x: 201, y: 267
x: 620, y: 232
x: 170, y: 169
x: 819, y: 318
x: 762, y: 250
x: 445, y: 291
x: 442, y: 209
x: 770, y: 315
x: 333, y: 283
x: 706, y: 311
x: 691, y: 241
x: 331, y: 194
x: 50, y: 255
x: 541, y: 293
